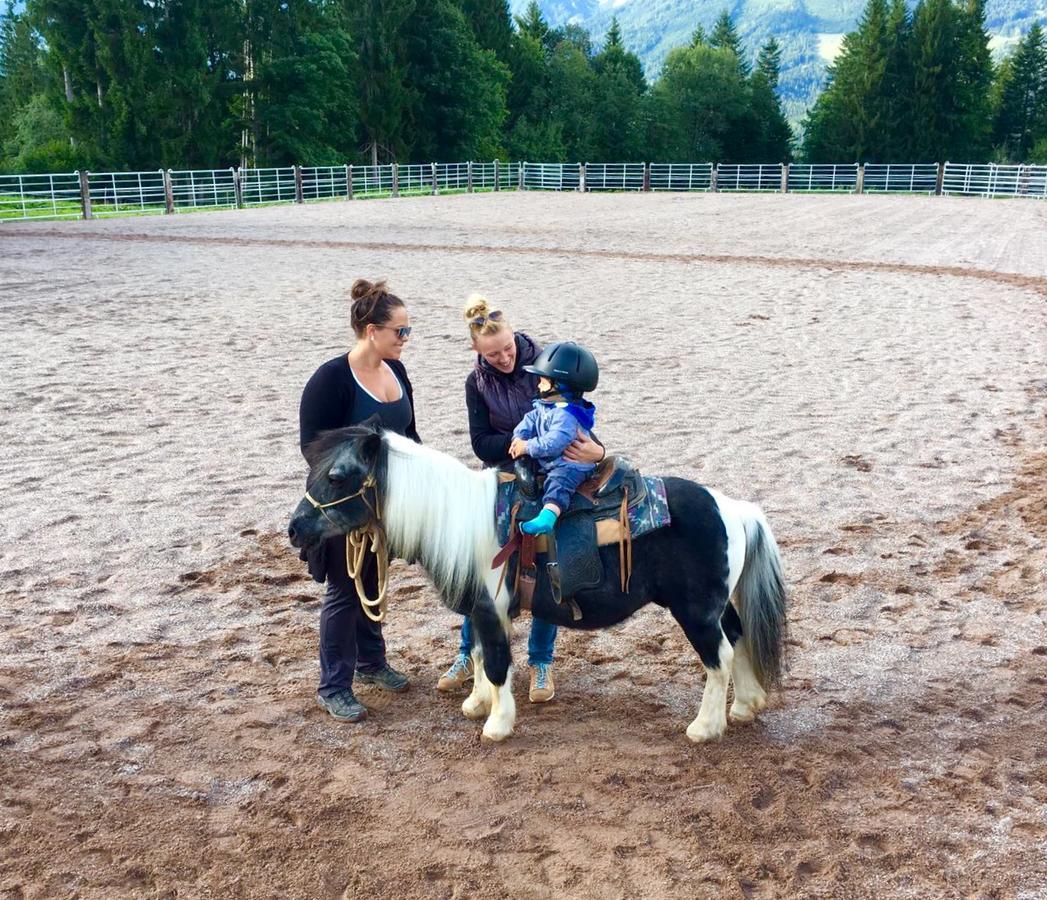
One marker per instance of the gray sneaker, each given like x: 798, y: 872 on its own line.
x: 343, y: 706
x: 385, y: 677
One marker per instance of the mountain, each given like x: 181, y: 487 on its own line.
x: 810, y: 31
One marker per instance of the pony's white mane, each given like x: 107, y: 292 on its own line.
x: 440, y: 513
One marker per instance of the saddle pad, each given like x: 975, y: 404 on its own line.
x: 646, y: 516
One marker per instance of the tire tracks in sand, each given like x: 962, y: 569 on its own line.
x: 1010, y: 279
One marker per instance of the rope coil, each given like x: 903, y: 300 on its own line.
x: 356, y: 547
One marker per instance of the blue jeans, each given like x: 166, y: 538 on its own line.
x: 539, y: 644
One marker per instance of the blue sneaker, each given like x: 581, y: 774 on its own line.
x: 543, y: 523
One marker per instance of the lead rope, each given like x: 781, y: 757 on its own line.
x: 356, y: 547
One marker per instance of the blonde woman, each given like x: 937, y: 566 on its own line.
x: 498, y: 394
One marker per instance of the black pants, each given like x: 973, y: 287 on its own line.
x: 348, y: 639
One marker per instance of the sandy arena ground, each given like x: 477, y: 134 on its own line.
x: 872, y: 370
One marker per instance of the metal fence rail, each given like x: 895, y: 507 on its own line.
x: 509, y: 176
x: 415, y: 179
x: 615, y: 176
x: 202, y: 189
x: 40, y: 196
x: 325, y: 182
x: 754, y: 177
x: 551, y: 176
x: 681, y: 176
x: 452, y: 176
x: 920, y: 178
x: 483, y: 176
x: 819, y: 177
x: 371, y: 180
x: 276, y: 185
x: 69, y: 195
x: 991, y: 180
x: 121, y: 193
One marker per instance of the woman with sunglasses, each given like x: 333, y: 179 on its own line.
x: 498, y: 394
x: 367, y: 381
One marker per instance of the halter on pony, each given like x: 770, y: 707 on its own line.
x: 356, y: 547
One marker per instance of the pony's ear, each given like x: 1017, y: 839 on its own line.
x: 372, y: 422
x: 368, y: 447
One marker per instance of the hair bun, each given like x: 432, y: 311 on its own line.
x: 475, y: 307
x: 362, y: 288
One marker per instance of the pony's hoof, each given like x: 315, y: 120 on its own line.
x: 743, y: 713
x: 700, y: 732
x: 496, y: 733
x: 474, y: 709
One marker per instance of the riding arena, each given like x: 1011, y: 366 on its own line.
x: 866, y: 374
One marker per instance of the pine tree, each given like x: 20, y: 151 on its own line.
x: 383, y: 99
x: 771, y: 135
x: 491, y: 22
x: 725, y: 37
x: 458, y: 90
x: 769, y: 62
x: 938, y: 115
x: 974, y: 76
x: 1021, y: 117
x: 619, y: 91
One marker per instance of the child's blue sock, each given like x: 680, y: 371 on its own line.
x: 541, y: 524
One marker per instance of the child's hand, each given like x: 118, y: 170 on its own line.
x: 517, y: 448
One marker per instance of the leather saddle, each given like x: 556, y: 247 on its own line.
x: 572, y: 551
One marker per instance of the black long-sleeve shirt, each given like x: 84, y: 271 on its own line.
x: 329, y: 397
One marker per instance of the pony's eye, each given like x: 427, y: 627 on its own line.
x: 336, y: 476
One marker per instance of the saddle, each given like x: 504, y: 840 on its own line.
x: 598, y: 516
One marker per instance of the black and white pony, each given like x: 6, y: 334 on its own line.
x: 716, y: 567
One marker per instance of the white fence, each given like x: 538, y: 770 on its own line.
x: 40, y: 196
x: 804, y: 177
x: 202, y: 189
x: 920, y: 178
x: 267, y: 186
x: 748, y: 178
x: 615, y: 176
x: 681, y: 176
x: 991, y: 180
x: 71, y: 195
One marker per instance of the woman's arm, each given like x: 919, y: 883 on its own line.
x: 320, y: 408
x: 490, y: 446
x: 585, y: 449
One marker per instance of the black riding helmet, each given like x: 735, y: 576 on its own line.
x: 568, y: 364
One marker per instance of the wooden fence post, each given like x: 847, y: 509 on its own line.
x: 496, y: 174
x: 647, y: 177
x: 712, y: 178
x: 299, y: 196
x: 785, y: 178
x: 169, y: 202
x: 939, y: 179
x: 434, y: 179
x: 85, y: 194
x: 469, y: 177
x: 859, y: 185
x: 396, y: 179
x: 238, y: 188
x: 581, y: 177
x: 520, y: 175
x: 349, y: 182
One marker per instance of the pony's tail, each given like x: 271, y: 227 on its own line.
x: 761, y: 599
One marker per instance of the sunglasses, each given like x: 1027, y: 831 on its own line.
x: 493, y: 316
x: 403, y: 332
